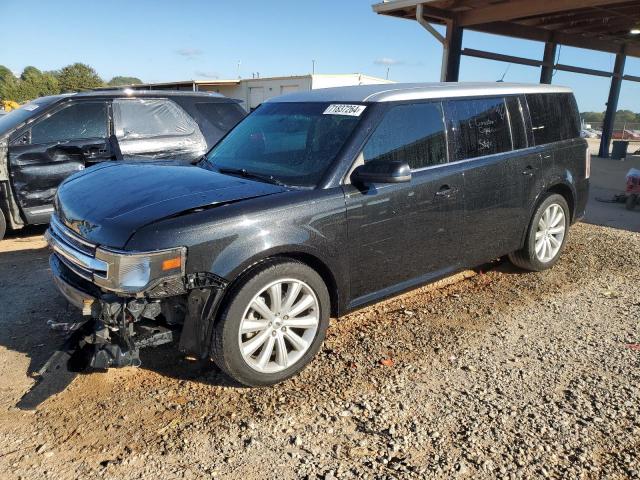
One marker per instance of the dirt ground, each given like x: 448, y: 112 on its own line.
x: 502, y: 375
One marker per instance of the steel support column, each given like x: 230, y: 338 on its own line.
x: 548, y: 61
x: 452, y: 52
x: 612, y: 103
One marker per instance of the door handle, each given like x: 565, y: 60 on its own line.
x: 445, y: 191
x: 529, y: 171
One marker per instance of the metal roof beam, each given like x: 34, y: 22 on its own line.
x: 471, y: 52
x: 542, y: 35
x: 522, y: 9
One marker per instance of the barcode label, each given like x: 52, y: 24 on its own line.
x: 342, y: 109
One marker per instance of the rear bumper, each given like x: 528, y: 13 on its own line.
x: 582, y: 197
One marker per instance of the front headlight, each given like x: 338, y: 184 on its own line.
x: 136, y: 272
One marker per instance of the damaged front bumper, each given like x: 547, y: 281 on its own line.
x: 117, y: 327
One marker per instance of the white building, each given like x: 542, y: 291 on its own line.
x: 254, y: 91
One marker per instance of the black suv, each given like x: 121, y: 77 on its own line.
x: 316, y: 204
x: 48, y: 139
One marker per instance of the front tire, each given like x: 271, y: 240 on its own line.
x: 546, y: 235
x: 631, y: 201
x: 272, y: 325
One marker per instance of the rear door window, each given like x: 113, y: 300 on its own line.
x: 413, y: 133
x: 478, y: 127
x: 137, y: 118
x: 223, y: 116
x: 554, y: 117
x: 77, y: 121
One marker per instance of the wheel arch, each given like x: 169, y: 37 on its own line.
x: 304, y: 257
x: 561, y: 188
x: 565, y: 191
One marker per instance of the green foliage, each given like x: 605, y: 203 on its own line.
x: 78, y: 77
x: 117, y: 81
x: 622, y: 117
x: 8, y: 84
x: 592, y: 116
x: 34, y: 83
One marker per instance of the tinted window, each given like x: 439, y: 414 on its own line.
x: 516, y: 118
x: 75, y: 122
x: 223, y: 116
x: 411, y: 133
x: 554, y: 117
x: 146, y: 118
x: 292, y: 142
x: 478, y: 127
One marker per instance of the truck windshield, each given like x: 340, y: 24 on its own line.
x: 290, y: 143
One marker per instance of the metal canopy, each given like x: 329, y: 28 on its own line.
x: 601, y: 25
x: 591, y: 24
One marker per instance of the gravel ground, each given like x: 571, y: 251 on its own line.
x: 502, y: 375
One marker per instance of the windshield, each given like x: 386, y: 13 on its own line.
x: 15, y: 117
x: 291, y: 143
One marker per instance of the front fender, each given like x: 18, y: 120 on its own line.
x: 227, y: 240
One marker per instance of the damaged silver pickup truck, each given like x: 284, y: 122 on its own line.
x: 50, y: 138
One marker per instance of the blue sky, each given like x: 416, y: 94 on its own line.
x: 165, y: 41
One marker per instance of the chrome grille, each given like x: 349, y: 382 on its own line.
x: 74, y: 251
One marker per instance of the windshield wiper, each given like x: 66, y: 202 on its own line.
x: 243, y: 172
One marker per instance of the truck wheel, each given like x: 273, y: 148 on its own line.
x: 546, y: 235
x: 273, y: 324
x: 3, y: 225
x: 631, y: 201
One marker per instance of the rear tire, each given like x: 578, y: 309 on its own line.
x: 3, y: 225
x: 544, y: 243
x: 272, y: 325
x: 632, y: 199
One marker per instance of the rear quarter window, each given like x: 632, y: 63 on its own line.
x: 554, y: 117
x: 478, y: 127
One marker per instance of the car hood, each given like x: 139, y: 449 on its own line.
x: 107, y: 203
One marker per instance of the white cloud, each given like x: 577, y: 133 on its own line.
x: 387, y: 62
x: 205, y: 74
x: 189, y: 52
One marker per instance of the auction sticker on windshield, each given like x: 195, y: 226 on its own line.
x: 342, y: 109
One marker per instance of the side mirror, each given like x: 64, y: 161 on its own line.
x: 395, y: 171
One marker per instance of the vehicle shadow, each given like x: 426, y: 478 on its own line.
x: 30, y: 302
x: 30, y: 299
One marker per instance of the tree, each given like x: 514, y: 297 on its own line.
x: 592, y: 116
x: 35, y: 83
x: 77, y: 77
x: 625, y: 116
x: 117, y: 81
x: 8, y: 84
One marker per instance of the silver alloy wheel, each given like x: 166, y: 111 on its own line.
x: 279, y: 325
x: 550, y: 233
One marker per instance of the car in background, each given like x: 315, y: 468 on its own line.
x: 588, y: 133
x: 625, y: 134
x: 50, y: 138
